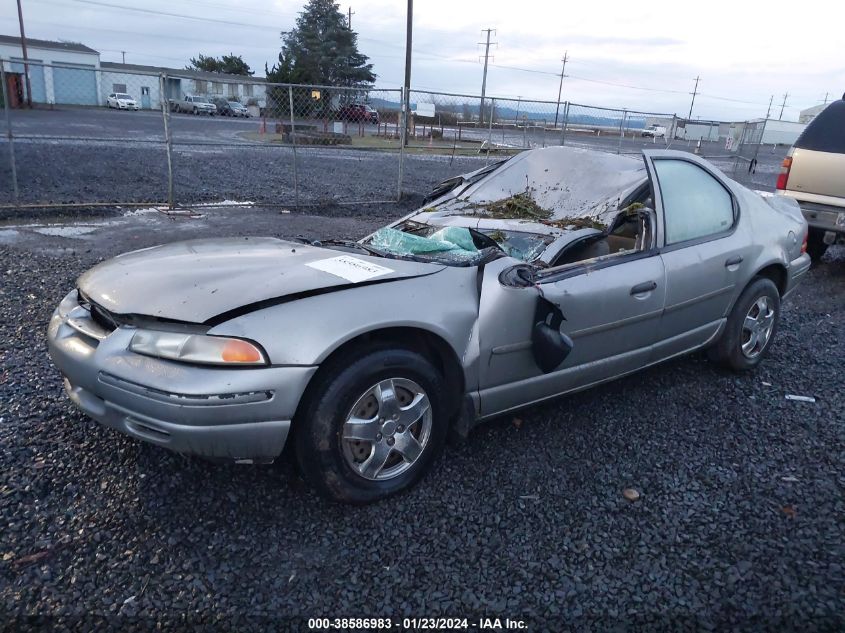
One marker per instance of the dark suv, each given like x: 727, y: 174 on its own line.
x: 358, y: 112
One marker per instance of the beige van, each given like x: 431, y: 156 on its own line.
x: 813, y: 173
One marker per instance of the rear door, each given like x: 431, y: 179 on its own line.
x: 705, y: 248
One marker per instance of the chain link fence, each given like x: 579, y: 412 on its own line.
x: 121, y: 135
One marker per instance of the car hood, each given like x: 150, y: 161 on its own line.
x: 197, y: 280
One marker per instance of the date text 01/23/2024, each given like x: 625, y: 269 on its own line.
x: 416, y: 624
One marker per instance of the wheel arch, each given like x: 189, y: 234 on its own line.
x: 430, y: 344
x: 776, y: 273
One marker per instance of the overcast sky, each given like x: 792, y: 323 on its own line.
x: 638, y: 55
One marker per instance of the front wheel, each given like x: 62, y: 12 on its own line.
x: 750, y: 328
x: 372, y: 425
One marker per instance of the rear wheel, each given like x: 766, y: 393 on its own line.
x: 372, y: 426
x: 750, y: 328
x: 816, y: 247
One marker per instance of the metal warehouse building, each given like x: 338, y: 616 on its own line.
x: 70, y: 76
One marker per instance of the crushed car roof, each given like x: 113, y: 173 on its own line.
x: 554, y: 183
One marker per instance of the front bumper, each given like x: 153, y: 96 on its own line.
x: 241, y: 414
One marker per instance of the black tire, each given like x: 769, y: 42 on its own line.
x: 196, y: 111
x: 728, y: 350
x: 319, y: 423
x: 816, y: 248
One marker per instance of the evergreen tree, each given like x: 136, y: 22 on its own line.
x: 321, y: 49
x: 230, y: 64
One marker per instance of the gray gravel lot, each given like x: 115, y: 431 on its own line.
x: 739, y: 526
x: 79, y: 155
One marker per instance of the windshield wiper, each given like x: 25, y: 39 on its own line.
x: 350, y: 244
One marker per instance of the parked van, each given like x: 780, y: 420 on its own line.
x: 813, y: 173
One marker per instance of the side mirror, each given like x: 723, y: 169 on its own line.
x: 549, y: 345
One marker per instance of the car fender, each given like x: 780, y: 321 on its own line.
x: 307, y: 331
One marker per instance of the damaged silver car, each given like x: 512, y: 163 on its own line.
x: 551, y: 272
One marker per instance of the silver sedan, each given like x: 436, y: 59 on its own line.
x: 551, y: 272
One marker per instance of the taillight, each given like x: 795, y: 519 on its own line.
x: 804, y: 243
x: 783, y: 176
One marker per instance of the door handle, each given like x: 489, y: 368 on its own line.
x: 644, y: 287
x: 733, y: 261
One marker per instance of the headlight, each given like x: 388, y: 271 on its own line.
x: 197, y: 348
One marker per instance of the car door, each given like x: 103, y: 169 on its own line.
x: 704, y: 247
x: 610, y: 307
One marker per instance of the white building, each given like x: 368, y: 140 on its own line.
x: 59, y: 72
x: 781, y: 132
x: 143, y: 82
x: 807, y: 115
x: 72, y: 74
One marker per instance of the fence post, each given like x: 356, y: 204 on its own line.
x: 403, y: 119
x: 565, y: 123
x: 168, y: 139
x: 621, y: 131
x: 293, y: 141
x: 9, y: 136
x: 489, y: 129
x: 752, y: 166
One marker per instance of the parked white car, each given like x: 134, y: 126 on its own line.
x: 122, y: 101
x: 654, y: 131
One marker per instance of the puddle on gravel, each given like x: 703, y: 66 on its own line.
x: 66, y: 231
x: 82, y: 229
x: 8, y: 236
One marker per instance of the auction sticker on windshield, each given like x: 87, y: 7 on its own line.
x: 350, y: 268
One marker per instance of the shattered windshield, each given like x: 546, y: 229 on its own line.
x: 456, y: 245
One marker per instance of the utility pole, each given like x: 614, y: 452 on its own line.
x: 124, y: 56
x: 409, y: 30
x: 25, y: 57
x: 769, y: 109
x: 693, y: 93
x: 351, y: 13
x: 560, y: 87
x: 826, y: 95
x: 484, y: 78
x: 783, y: 105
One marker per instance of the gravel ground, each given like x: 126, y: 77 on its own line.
x: 739, y: 525
x: 128, y: 162
x: 87, y: 172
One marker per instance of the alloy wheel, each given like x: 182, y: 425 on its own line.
x: 757, y: 327
x: 387, y: 429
